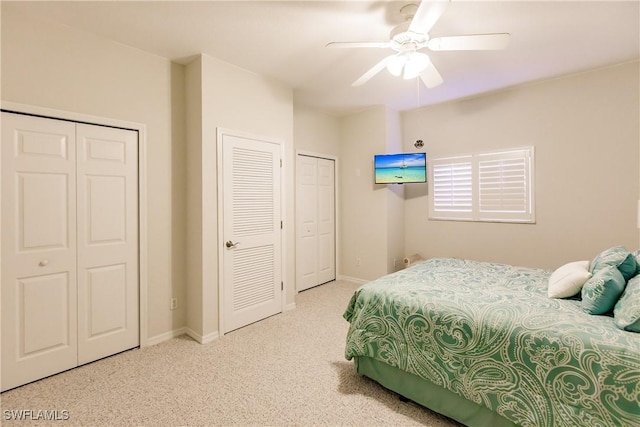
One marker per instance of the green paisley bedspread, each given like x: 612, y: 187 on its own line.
x: 489, y: 333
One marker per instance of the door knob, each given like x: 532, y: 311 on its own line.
x: 230, y: 244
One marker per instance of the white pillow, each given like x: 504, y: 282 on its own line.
x: 567, y: 280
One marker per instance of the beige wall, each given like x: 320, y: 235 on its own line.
x: 362, y: 203
x: 585, y: 130
x: 194, y: 160
x: 395, y: 197
x: 372, y: 226
x: 315, y: 131
x: 54, y: 66
x: 235, y: 99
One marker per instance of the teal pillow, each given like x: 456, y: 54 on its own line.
x: 618, y: 257
x: 601, y: 292
x: 636, y: 255
x: 626, y: 313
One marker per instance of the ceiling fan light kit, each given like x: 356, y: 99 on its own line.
x: 416, y: 63
x: 395, y: 64
x: 407, y: 38
x: 408, y: 64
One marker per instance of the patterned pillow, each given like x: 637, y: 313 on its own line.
x: 601, y: 292
x: 618, y: 257
x: 626, y: 314
x: 568, y: 279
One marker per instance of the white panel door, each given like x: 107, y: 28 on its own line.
x: 252, y: 235
x: 307, y: 222
x: 326, y: 221
x: 38, y: 248
x: 315, y: 218
x: 107, y: 174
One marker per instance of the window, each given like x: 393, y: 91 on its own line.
x: 452, y: 188
x: 495, y: 186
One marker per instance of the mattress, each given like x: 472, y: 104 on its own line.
x: 489, y: 334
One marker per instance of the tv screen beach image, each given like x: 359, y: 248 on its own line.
x: 400, y: 168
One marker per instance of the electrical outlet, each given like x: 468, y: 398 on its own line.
x: 395, y: 263
x: 174, y: 303
x: 358, y: 261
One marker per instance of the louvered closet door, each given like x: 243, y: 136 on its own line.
x: 252, y: 246
x: 38, y: 248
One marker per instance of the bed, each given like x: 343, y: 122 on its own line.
x: 482, y: 343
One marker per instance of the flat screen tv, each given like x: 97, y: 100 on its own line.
x: 400, y: 168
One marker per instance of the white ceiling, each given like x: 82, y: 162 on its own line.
x: 286, y: 40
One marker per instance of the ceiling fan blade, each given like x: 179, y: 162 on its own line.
x: 349, y: 45
x: 475, y: 42
x: 430, y: 76
x: 372, y: 71
x: 429, y: 11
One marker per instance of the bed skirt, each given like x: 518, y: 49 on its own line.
x: 429, y: 395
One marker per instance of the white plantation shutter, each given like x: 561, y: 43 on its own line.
x: 504, y: 181
x: 496, y: 186
x: 452, y: 188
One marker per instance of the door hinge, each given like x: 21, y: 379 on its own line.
x: 280, y: 162
x: 280, y: 225
x: 282, y: 286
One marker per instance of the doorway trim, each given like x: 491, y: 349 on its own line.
x: 220, y: 132
x: 52, y: 113
x: 336, y: 206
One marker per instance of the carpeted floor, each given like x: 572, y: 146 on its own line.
x: 288, y: 369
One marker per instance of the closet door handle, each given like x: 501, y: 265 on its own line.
x: 230, y: 244
x: 43, y: 263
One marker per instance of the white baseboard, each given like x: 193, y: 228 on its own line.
x: 202, y: 339
x: 354, y: 280
x: 290, y: 307
x: 165, y: 336
x: 182, y: 331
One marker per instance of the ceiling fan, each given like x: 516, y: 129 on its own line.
x: 407, y: 38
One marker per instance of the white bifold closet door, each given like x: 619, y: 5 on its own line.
x: 315, y: 217
x: 69, y: 245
